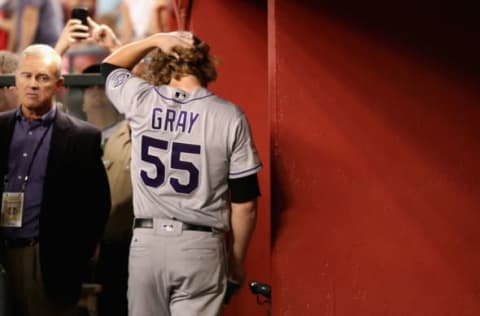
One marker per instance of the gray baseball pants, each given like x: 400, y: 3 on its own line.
x: 175, y: 272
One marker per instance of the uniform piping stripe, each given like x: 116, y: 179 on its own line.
x: 245, y: 171
x: 181, y: 102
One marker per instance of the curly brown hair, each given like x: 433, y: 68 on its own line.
x: 182, y: 61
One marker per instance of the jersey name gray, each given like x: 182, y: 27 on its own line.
x: 173, y: 120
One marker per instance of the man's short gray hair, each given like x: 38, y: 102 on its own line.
x: 45, y: 51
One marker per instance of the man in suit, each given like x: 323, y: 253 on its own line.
x: 55, y: 193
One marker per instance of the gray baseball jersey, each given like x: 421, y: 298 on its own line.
x: 185, y: 146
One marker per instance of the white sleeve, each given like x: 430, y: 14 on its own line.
x: 244, y: 160
x: 124, y: 90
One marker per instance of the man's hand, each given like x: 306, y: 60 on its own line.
x: 128, y: 55
x: 103, y: 35
x: 236, y: 271
x: 73, y: 32
x: 235, y: 278
x: 166, y: 41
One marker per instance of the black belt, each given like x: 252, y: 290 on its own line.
x: 20, y: 242
x: 148, y: 223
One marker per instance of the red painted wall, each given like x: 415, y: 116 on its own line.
x: 376, y: 158
x: 237, y: 32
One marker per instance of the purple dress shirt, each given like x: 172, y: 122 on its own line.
x: 26, y: 137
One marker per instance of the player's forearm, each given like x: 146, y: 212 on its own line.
x: 29, y: 26
x: 129, y: 55
x: 243, y: 220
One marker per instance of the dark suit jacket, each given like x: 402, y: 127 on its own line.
x: 76, y: 202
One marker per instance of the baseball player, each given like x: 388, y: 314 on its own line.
x: 194, y: 175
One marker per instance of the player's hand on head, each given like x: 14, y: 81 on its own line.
x: 177, y: 38
x: 184, y: 35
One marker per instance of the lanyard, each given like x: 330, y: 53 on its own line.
x: 29, y: 169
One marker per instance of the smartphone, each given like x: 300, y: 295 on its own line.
x: 80, y: 14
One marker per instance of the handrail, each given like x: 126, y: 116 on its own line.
x: 70, y: 80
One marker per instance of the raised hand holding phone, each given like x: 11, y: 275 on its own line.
x: 81, y: 14
x: 73, y: 32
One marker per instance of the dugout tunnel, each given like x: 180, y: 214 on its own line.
x: 371, y: 129
x: 365, y: 115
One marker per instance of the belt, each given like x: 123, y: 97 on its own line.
x: 20, y: 242
x: 148, y: 223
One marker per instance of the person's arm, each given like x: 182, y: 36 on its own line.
x: 127, y: 28
x: 243, y: 220
x: 12, y: 34
x: 7, y: 24
x: 162, y: 14
x: 130, y: 54
x: 157, y: 22
x: 29, y: 22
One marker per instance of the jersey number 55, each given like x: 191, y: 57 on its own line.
x: 176, y: 163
